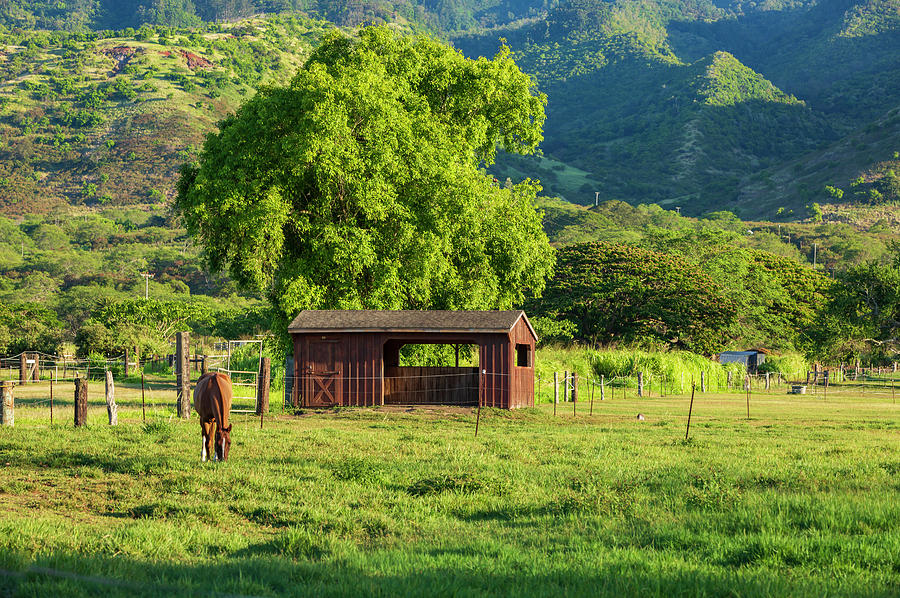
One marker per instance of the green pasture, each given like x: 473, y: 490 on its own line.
x: 799, y: 500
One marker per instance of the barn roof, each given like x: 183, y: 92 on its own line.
x: 366, y: 320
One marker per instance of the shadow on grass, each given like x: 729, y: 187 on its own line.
x: 261, y: 570
x: 108, y: 463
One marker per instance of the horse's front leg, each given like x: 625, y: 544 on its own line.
x: 206, y: 432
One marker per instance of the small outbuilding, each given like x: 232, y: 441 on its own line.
x: 751, y: 359
x: 352, y: 358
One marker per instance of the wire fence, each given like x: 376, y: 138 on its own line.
x: 46, y: 381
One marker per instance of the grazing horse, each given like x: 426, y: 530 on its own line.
x: 212, y: 400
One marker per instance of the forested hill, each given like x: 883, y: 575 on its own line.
x: 705, y: 107
x: 445, y: 16
x: 99, y: 120
x: 761, y: 109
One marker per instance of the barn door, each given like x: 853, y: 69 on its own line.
x: 323, y: 378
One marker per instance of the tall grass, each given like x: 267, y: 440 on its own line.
x: 787, y: 364
x: 669, y: 371
x: 673, y: 368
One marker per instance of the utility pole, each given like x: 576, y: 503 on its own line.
x: 147, y: 276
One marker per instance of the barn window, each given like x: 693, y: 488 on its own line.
x: 523, y: 356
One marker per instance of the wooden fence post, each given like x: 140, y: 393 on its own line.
x: 203, y: 367
x: 602, y: 397
x: 111, y: 408
x: 183, y: 374
x: 640, y: 383
x: 7, y: 404
x: 747, y: 388
x: 702, y: 383
x: 555, y: 391
x: 730, y: 376
x: 81, y: 396
x: 36, y: 372
x: 126, y: 362
x: 574, y: 392
x: 565, y: 385
x: 767, y: 380
x: 591, y: 386
x: 23, y: 368
x: 690, y: 410
x: 262, y: 386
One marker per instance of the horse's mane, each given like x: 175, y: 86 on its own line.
x: 217, y: 405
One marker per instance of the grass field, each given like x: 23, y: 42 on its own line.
x: 802, y: 500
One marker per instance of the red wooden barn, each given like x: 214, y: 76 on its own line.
x: 352, y: 358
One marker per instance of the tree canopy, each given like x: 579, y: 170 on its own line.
x: 361, y: 183
x: 624, y: 293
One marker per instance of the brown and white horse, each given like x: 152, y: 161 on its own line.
x: 212, y: 401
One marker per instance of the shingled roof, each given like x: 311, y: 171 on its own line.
x: 406, y: 321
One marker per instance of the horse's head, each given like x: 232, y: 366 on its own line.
x: 223, y: 443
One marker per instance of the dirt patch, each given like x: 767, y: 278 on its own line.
x: 195, y: 62
x: 122, y: 55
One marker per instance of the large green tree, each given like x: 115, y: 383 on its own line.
x: 863, y: 313
x: 621, y: 293
x: 361, y: 183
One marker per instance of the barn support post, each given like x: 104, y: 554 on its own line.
x: 183, y: 374
x: 7, y: 404
x: 262, y: 387
x: 23, y: 368
x: 81, y: 396
x: 112, y: 410
x: 640, y: 388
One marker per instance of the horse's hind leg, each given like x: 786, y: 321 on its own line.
x: 206, y: 431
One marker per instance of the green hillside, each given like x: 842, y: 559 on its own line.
x: 700, y: 106
x: 96, y: 120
